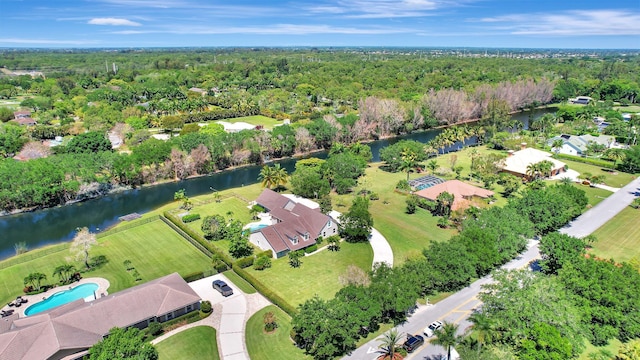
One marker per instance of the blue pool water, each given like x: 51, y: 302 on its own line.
x: 62, y: 297
x: 254, y: 228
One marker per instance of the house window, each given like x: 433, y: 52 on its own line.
x: 169, y: 316
x: 324, y: 233
x: 306, y: 236
x: 329, y: 223
x: 294, y: 240
x: 334, y: 230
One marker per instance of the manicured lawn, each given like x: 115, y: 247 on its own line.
x: 241, y: 283
x: 275, y: 345
x: 154, y: 249
x: 595, y: 195
x: 267, y: 122
x: 197, y: 343
x: 619, y: 239
x: 612, y: 347
x: 318, y: 273
x: 612, y: 178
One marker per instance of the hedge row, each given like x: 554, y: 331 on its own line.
x: 200, y: 275
x: 245, y: 262
x: 218, y: 253
x: 266, y: 292
x: 190, y: 218
x: 310, y: 249
x: 597, y: 162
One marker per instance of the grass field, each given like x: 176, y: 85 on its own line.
x: 318, y: 273
x: 153, y: 249
x: 595, y: 195
x: 615, y: 178
x: 197, y: 343
x: 267, y: 122
x: 611, y: 348
x: 241, y: 283
x: 275, y: 345
x: 619, y: 239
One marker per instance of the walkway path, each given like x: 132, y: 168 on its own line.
x: 229, y: 317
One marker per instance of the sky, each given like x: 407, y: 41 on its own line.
x: 597, y: 24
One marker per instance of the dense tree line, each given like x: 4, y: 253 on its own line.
x: 488, y: 239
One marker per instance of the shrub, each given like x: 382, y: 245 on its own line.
x: 262, y: 262
x: 155, y: 328
x: 205, y: 307
x: 411, y: 205
x: 270, y: 321
x: 267, y: 253
x: 266, y: 292
x: 193, y: 276
x: 245, y: 262
x: 597, y: 162
x: 403, y: 185
x: 190, y: 218
x: 374, y: 196
x: 319, y: 240
x: 310, y: 249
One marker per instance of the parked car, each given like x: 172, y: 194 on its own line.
x: 431, y: 329
x: 413, y: 342
x: 222, y: 287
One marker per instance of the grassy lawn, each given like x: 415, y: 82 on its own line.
x: 318, y: 273
x: 267, y: 122
x: 595, y: 195
x: 241, y: 283
x: 407, y: 234
x: 619, y: 239
x: 612, y: 348
x: 275, y: 345
x: 615, y: 178
x: 153, y: 249
x: 197, y: 343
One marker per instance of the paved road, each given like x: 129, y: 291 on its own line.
x: 457, y: 307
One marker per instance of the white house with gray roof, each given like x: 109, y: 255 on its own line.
x: 577, y: 144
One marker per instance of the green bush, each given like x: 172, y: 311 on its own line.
x: 155, y: 328
x: 266, y: 292
x: 262, y: 262
x: 193, y: 276
x: 205, y: 307
x: 310, y: 249
x: 190, y: 217
x: 245, y: 262
x: 267, y: 253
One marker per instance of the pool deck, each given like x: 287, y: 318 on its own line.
x: 103, y: 285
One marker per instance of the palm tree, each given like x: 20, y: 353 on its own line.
x: 280, y: 175
x: 483, y: 326
x: 615, y: 154
x: 389, y: 344
x: 474, y: 153
x: 63, y: 272
x: 557, y: 145
x: 408, y: 161
x: 446, y: 337
x: 545, y: 167
x: 433, y: 166
x: 266, y: 176
x: 35, y: 279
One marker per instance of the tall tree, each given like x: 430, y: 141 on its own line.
x: 447, y: 337
x: 356, y: 224
x: 82, y: 243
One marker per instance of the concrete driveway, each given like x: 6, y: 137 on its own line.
x: 232, y: 316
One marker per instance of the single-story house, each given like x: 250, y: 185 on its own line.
x: 198, y: 90
x: 68, y: 331
x: 577, y: 145
x: 21, y: 114
x: 25, y: 121
x: 293, y: 225
x: 463, y: 193
x: 236, y: 127
x: 517, y: 162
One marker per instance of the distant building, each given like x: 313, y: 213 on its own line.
x: 25, y: 121
x: 577, y: 145
x: 21, y: 114
x: 199, y: 91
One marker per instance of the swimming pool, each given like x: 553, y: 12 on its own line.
x: 256, y: 227
x: 63, y: 297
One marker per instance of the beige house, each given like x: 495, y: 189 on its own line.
x: 518, y: 162
x: 293, y: 226
x: 68, y: 331
x: 464, y: 194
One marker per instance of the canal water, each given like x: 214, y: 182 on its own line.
x: 59, y: 224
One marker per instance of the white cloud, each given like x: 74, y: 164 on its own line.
x: 45, y: 41
x: 278, y: 29
x: 113, y: 21
x: 569, y: 23
x: 373, y: 9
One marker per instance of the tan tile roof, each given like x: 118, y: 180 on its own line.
x: 79, y: 325
x: 459, y: 189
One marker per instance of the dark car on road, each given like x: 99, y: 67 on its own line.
x: 222, y: 287
x: 413, y: 342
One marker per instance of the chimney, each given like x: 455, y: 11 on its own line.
x: 510, y: 152
x: 523, y: 146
